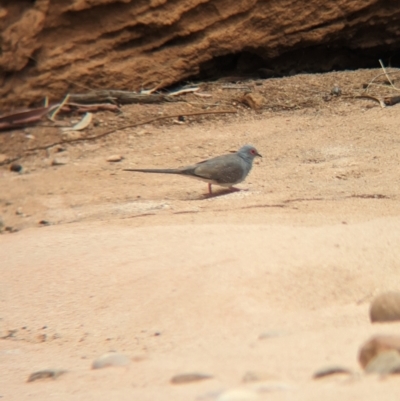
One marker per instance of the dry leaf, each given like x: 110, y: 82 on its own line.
x: 84, y: 123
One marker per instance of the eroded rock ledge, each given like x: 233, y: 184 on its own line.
x: 50, y: 48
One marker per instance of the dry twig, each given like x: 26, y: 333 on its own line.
x: 380, y: 101
x: 58, y: 108
x: 106, y: 133
x: 386, y: 73
x: 391, y: 100
x: 120, y: 97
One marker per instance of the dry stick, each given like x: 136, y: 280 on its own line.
x: 184, y: 90
x: 379, y: 75
x: 387, y: 76
x: 59, y: 107
x: 128, y: 126
x: 391, y: 100
x: 45, y: 147
x: 381, y: 102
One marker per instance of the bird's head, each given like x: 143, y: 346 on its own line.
x: 248, y: 152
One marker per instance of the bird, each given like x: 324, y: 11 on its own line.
x: 226, y: 170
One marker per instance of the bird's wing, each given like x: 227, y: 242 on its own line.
x: 227, y: 169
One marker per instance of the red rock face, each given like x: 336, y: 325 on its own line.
x: 50, y: 48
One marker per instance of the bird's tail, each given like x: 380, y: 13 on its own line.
x: 155, y: 170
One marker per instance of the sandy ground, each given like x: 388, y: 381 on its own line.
x: 271, y: 283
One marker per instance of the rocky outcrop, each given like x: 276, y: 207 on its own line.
x: 50, y: 48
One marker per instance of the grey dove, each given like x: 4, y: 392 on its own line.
x: 226, y: 170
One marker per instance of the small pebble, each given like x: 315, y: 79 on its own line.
x: 330, y: 370
x: 336, y: 91
x: 10, y: 229
x: 377, y: 345
x: 110, y: 359
x: 15, y: 167
x: 44, y: 223
x: 45, y: 374
x: 59, y: 161
x: 114, y: 158
x: 41, y: 338
x: 385, y: 307
x: 189, y: 378
x: 384, y: 363
x: 254, y: 100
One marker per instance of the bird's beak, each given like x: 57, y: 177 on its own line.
x: 257, y: 154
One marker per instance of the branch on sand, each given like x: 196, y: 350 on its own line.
x: 106, y: 133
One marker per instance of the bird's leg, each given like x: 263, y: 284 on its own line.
x: 209, y: 189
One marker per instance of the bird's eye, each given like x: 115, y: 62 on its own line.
x: 252, y: 151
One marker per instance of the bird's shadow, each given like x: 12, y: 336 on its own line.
x: 220, y: 193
